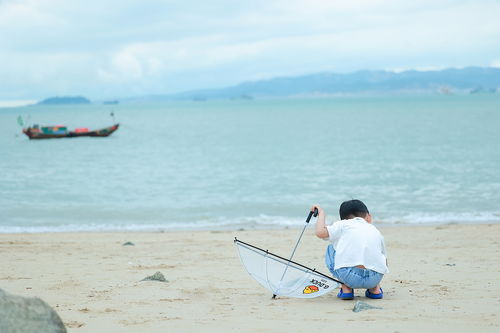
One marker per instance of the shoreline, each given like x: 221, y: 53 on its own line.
x: 229, y: 228
x: 441, y: 277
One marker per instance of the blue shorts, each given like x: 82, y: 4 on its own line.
x: 353, y: 277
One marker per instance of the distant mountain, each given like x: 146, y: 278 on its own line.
x: 65, y: 100
x: 448, y: 81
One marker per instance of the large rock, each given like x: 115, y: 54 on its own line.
x: 27, y: 314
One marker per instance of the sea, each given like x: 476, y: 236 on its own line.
x: 252, y: 164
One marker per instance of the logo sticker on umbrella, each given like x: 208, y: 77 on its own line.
x: 310, y: 289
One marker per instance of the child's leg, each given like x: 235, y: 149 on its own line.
x: 330, y: 258
x: 359, y: 278
x: 375, y: 290
x: 346, y: 289
x: 374, y: 279
x: 330, y: 264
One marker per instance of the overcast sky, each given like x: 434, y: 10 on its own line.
x: 116, y: 48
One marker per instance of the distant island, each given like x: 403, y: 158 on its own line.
x: 64, y: 100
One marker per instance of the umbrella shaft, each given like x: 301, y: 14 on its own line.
x: 293, y: 252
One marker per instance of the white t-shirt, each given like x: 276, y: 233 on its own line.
x: 357, y: 242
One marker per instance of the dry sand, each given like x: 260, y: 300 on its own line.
x: 443, y: 278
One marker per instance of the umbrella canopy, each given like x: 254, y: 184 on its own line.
x: 283, y: 277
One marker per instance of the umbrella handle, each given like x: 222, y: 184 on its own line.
x: 311, y: 213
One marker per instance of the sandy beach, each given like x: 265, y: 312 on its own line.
x: 443, y: 278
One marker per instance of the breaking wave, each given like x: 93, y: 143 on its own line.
x: 247, y: 222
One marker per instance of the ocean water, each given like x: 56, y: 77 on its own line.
x: 253, y: 164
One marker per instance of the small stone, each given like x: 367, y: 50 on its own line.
x: 361, y: 306
x: 158, y: 276
x: 451, y: 264
x: 128, y: 244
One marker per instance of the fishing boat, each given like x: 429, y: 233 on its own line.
x: 61, y: 131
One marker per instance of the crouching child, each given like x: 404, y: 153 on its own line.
x: 356, y: 255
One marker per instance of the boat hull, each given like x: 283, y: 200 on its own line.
x: 103, y: 132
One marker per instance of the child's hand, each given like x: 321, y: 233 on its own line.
x: 320, y: 210
x: 321, y: 230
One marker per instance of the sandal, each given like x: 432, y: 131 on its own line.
x: 345, y: 296
x: 374, y: 296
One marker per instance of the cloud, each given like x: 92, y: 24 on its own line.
x: 27, y: 14
x: 121, y: 47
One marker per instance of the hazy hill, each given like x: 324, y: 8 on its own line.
x: 464, y: 81
x: 65, y: 100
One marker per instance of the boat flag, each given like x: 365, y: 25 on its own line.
x: 20, y: 121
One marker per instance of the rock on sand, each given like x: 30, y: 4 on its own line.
x: 27, y: 314
x: 158, y: 276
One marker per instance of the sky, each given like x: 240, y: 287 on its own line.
x: 109, y: 49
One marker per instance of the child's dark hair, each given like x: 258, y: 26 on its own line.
x: 352, y: 208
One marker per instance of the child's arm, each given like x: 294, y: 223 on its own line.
x: 321, y: 230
